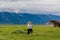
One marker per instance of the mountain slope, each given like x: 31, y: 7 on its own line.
x: 23, y: 18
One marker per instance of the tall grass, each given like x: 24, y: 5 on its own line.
x: 39, y: 33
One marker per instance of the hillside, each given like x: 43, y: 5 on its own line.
x: 23, y: 18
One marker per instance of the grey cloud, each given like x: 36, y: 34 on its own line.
x: 20, y: 0
x: 31, y: 6
x: 9, y: 0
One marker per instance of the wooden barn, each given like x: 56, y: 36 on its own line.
x: 53, y: 23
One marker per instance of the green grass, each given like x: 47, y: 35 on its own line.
x: 39, y: 33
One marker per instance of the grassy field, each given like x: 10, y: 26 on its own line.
x: 39, y: 33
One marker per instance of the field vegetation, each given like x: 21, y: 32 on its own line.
x: 13, y: 32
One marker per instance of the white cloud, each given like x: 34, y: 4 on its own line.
x: 33, y: 6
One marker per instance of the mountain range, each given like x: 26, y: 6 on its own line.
x: 23, y: 18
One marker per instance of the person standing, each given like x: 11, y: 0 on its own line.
x: 29, y: 30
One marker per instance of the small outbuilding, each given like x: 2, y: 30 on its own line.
x: 53, y: 23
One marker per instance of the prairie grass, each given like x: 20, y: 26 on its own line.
x: 39, y: 33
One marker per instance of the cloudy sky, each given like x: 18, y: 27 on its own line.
x: 31, y: 6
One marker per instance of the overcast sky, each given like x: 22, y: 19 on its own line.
x: 31, y: 6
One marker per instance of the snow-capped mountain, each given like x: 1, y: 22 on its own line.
x: 23, y: 18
